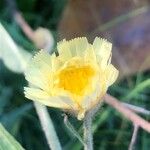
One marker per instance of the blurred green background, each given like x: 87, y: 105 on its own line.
x: 17, y: 114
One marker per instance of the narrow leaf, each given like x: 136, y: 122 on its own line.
x: 7, y: 142
x: 14, y: 58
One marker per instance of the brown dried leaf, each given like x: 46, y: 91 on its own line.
x: 125, y: 23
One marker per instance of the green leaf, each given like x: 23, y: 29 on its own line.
x: 7, y: 142
x: 5, y: 94
x: 9, y: 119
x: 14, y: 57
x: 139, y: 88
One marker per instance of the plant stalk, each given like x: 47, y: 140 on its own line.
x: 88, y: 137
x: 47, y: 126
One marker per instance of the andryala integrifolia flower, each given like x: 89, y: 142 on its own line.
x: 76, y: 79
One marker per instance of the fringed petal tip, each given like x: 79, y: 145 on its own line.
x: 99, y: 41
x: 102, y: 46
x: 73, y: 47
x: 64, y: 41
x: 74, y: 39
x: 39, y: 57
x: 42, y: 55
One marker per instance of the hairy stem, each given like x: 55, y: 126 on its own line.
x: 88, y: 137
x: 47, y: 126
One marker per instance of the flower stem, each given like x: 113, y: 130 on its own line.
x: 87, y: 125
x: 88, y: 137
x: 48, y: 127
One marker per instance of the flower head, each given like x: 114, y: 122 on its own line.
x: 75, y: 80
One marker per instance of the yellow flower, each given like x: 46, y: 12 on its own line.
x: 76, y: 80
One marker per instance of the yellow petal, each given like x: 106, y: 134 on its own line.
x: 34, y: 93
x: 90, y: 54
x: 38, y: 72
x: 42, y: 58
x: 91, y: 100
x: 111, y: 74
x: 44, y: 98
x: 72, y: 48
x: 103, y: 50
x: 57, y: 63
x: 64, y: 50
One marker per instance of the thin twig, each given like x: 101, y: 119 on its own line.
x: 134, y: 136
x: 129, y: 114
x: 24, y: 25
x: 137, y: 108
x: 47, y: 126
x: 16, y: 15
